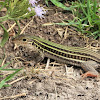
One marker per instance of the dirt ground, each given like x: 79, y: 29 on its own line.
x: 58, y: 81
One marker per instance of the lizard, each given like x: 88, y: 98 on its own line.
x: 86, y: 58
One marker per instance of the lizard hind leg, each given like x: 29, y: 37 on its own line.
x: 89, y: 67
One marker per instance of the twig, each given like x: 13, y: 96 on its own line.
x: 47, y: 65
x: 15, y: 96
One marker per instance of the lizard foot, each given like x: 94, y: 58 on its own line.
x: 89, y: 74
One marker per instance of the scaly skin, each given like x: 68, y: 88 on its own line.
x: 78, y: 56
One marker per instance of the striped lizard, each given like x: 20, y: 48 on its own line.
x: 77, y: 56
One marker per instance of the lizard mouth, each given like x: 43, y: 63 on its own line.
x: 15, y: 46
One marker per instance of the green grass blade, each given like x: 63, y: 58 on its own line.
x: 1, y: 61
x: 46, y: 1
x: 8, y: 78
x: 8, y: 69
x: 5, y: 36
x: 4, y: 66
x: 3, y: 4
x: 58, y: 4
x: 6, y: 85
x: 89, y: 12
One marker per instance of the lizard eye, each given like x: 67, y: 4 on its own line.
x: 24, y: 39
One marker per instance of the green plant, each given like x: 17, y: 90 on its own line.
x: 59, y: 4
x: 9, y: 77
x: 16, y: 10
x: 86, y: 17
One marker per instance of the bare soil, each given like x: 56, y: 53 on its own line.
x: 58, y: 81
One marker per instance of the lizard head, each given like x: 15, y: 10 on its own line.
x: 22, y: 40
